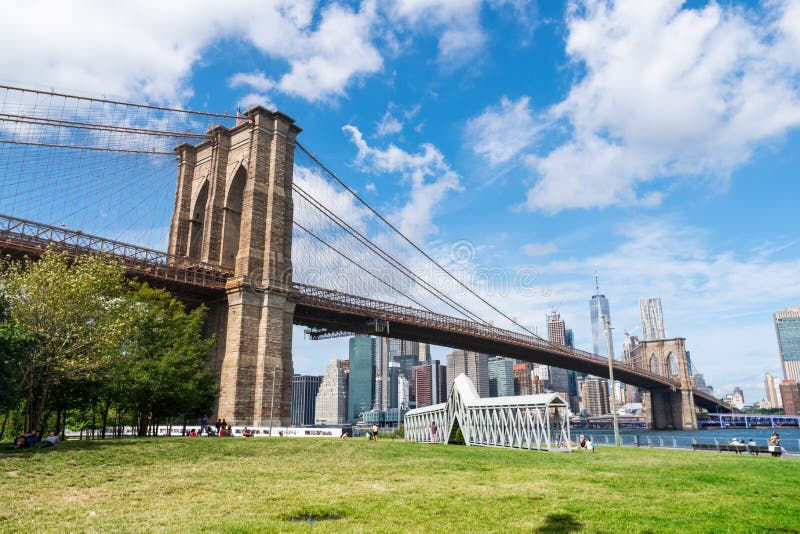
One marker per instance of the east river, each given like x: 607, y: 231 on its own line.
x: 683, y: 439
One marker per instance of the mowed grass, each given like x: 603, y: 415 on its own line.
x: 279, y: 485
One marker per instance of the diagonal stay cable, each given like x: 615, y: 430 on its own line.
x: 406, y: 239
x: 361, y: 267
x: 388, y: 258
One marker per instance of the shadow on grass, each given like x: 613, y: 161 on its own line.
x: 93, y: 444
x: 558, y: 523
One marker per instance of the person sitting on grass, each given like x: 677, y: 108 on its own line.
x: 50, y: 441
x: 247, y: 433
x: 28, y: 439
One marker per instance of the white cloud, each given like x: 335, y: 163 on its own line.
x: 255, y: 80
x: 457, y: 22
x: 429, y: 175
x: 502, y: 132
x: 666, y: 92
x: 388, y: 125
x: 394, y: 120
x: 147, y: 49
x: 539, y: 249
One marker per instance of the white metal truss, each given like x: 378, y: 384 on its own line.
x: 524, y: 422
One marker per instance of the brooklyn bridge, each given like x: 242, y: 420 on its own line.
x: 262, y: 232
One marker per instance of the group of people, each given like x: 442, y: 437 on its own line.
x: 751, y: 446
x: 744, y: 443
x: 585, y: 443
x: 29, y: 439
x: 372, y: 433
x: 775, y: 447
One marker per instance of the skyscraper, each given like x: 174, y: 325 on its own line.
x: 787, y: 329
x: 472, y: 364
x: 598, y: 306
x: 501, y: 377
x: 362, y: 376
x: 429, y: 383
x: 523, y: 379
x: 556, y: 330
x: 304, y: 399
x: 790, y: 395
x: 769, y: 387
x: 424, y: 353
x: 652, y: 319
x: 331, y: 403
x: 557, y: 334
x: 594, y: 396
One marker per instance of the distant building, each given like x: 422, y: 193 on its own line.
x: 473, y: 364
x: 556, y: 330
x: 558, y: 379
x: 304, y: 399
x: 362, y: 376
x: 424, y: 353
x: 629, y: 346
x: 523, y: 379
x: 790, y: 395
x: 735, y: 399
x: 652, y: 319
x: 594, y: 396
x: 772, y: 396
x: 501, y: 377
x: 569, y: 337
x: 331, y: 402
x: 403, y: 392
x: 598, y: 307
x: 787, y: 330
x: 429, y: 384
x: 403, y: 355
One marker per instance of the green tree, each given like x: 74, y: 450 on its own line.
x: 15, y: 343
x: 162, y: 369
x: 75, y: 311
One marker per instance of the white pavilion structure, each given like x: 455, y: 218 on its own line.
x: 522, y: 422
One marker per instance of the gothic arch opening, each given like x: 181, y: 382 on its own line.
x: 456, y: 437
x: 655, y: 365
x: 197, y: 223
x: 233, y: 218
x: 672, y: 367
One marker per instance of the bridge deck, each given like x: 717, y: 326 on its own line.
x: 321, y: 308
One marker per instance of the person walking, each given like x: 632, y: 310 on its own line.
x: 433, y: 432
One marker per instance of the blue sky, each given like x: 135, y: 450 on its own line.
x: 656, y: 142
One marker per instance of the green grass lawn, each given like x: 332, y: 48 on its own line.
x: 243, y: 485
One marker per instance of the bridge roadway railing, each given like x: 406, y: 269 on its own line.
x: 343, y: 302
x: 29, y: 237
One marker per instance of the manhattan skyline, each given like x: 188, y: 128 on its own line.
x: 557, y: 137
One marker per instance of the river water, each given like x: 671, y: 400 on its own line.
x: 683, y: 439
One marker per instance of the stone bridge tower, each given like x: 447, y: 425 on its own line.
x: 668, y: 408
x: 233, y: 209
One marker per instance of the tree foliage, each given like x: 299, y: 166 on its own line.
x: 77, y: 337
x: 15, y: 343
x: 162, y: 367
